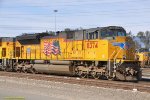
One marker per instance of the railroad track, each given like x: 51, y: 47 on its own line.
x: 142, y: 86
x: 146, y: 72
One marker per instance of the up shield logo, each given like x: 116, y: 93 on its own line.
x: 122, y: 45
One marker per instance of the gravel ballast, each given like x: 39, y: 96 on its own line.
x: 47, y: 90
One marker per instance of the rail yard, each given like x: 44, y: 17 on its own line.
x: 74, y: 50
x: 142, y: 86
x: 37, y: 86
x: 96, y: 57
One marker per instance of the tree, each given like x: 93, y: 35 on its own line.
x: 147, y: 39
x: 144, y: 38
x: 140, y: 34
x: 147, y: 33
x: 129, y: 34
x: 67, y: 29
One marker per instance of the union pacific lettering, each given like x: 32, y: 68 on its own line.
x: 92, y: 44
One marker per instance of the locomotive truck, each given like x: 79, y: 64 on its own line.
x: 102, y: 52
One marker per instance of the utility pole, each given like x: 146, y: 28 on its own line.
x: 55, y: 11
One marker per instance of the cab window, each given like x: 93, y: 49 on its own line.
x: 112, y: 33
x: 92, y: 35
x: 107, y: 33
x: 121, y: 34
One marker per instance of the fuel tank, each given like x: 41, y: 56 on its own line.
x: 54, y: 67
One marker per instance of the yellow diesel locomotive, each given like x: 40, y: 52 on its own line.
x: 144, y: 57
x: 102, y: 52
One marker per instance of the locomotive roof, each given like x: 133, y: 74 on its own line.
x: 45, y: 37
x: 108, y: 27
x: 90, y: 29
x: 31, y: 36
x: 7, y: 39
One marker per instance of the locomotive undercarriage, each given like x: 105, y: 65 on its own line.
x: 23, y: 66
x: 84, y: 69
x: 125, y: 71
x: 91, y: 69
x: 129, y: 71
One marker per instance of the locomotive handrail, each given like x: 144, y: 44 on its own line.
x: 117, y: 54
x: 115, y: 60
x: 112, y: 55
x: 109, y: 62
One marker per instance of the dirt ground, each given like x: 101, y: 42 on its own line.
x: 28, y: 89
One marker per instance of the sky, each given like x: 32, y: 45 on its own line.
x: 31, y: 16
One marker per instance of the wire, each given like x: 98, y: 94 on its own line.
x: 71, y: 3
x: 84, y: 13
x: 62, y: 27
x: 117, y: 13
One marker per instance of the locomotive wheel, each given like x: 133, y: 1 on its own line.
x: 33, y: 71
x: 83, y: 75
x: 6, y: 69
x: 95, y: 75
x: 18, y: 71
x: 76, y: 72
x: 24, y: 71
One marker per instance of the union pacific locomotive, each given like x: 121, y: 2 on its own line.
x: 102, y: 52
x: 144, y: 57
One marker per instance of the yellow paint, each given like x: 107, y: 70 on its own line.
x: 143, y: 56
x: 9, y: 50
x: 29, y: 51
x: 98, y: 49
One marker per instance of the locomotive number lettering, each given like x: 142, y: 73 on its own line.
x: 92, y: 44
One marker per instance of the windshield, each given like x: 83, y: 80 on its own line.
x: 121, y: 34
x: 107, y: 34
x: 112, y: 33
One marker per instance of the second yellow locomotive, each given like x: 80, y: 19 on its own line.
x: 144, y: 57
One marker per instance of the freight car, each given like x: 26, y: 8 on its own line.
x: 102, y: 52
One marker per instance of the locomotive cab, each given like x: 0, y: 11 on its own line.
x: 109, y: 52
x: 112, y: 32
